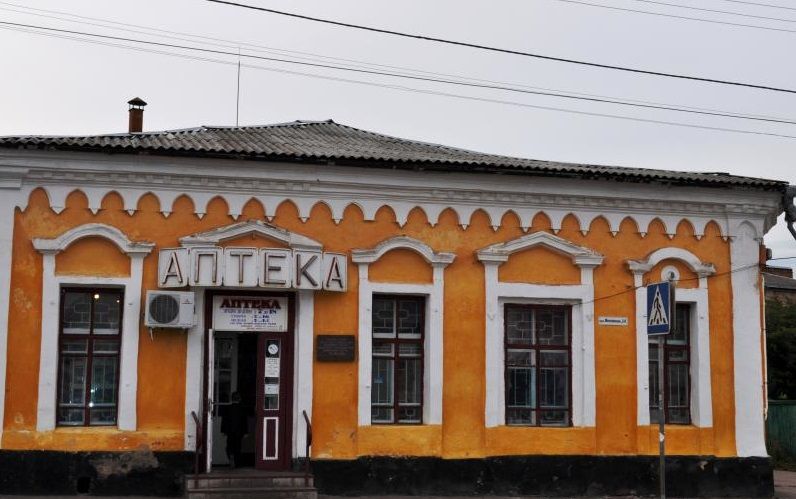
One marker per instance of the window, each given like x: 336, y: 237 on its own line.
x: 538, y: 365
x: 397, y: 381
x: 89, y: 342
x: 676, y: 370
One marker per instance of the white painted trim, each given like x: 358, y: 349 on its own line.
x: 128, y: 361
x: 112, y: 234
x: 579, y: 296
x: 7, y: 202
x: 401, y: 242
x: 434, y: 338
x: 702, y: 269
x: 194, y: 369
x: 580, y: 255
x: 747, y: 338
x: 701, y: 391
x: 302, y: 368
x: 215, y: 236
x: 60, y: 172
x: 51, y: 287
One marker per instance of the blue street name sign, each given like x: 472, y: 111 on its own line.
x: 659, y: 308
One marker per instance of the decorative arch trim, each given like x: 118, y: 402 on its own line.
x: 215, y: 236
x: 702, y: 269
x: 113, y: 234
x: 402, y: 242
x: 581, y: 256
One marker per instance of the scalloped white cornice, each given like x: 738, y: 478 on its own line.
x: 237, y: 182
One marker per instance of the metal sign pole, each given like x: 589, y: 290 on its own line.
x: 661, y: 417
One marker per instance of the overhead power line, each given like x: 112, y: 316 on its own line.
x: 410, y: 77
x: 671, y: 16
x: 716, y: 11
x: 220, y: 42
x: 403, y: 88
x: 508, y: 51
x: 761, y: 4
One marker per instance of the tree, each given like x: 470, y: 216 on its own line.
x: 781, y: 349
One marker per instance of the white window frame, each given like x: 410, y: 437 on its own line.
x: 126, y: 418
x: 579, y: 296
x: 433, y: 342
x: 701, y: 396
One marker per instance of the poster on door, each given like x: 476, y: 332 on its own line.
x: 250, y: 313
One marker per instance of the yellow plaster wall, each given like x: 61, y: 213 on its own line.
x: 336, y: 432
x: 93, y: 256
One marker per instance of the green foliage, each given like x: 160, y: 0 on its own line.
x: 781, y: 349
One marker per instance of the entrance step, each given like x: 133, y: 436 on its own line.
x: 247, y: 484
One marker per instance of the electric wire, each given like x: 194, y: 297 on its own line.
x: 509, y: 51
x: 672, y: 16
x: 759, y: 4
x: 357, y: 63
x: 716, y: 11
x: 412, y: 89
x: 417, y: 78
x: 631, y: 289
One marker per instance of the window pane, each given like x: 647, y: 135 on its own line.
x: 678, y: 385
x: 106, y: 346
x: 68, y: 416
x: 521, y: 387
x: 383, y: 316
x: 103, y: 381
x: 409, y: 315
x: 553, y: 387
x: 410, y: 349
x: 381, y: 389
x: 76, y: 312
x: 519, y: 357
x: 551, y: 326
x: 73, y: 381
x: 410, y: 380
x: 515, y: 416
x: 679, y: 336
x: 74, y: 346
x: 409, y: 414
x: 518, y: 325
x: 678, y: 355
x: 554, y: 358
x: 107, y: 312
x: 679, y: 416
x: 104, y: 416
x: 381, y: 414
x: 553, y: 418
x: 383, y: 348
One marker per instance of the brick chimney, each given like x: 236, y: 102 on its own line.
x: 136, y: 111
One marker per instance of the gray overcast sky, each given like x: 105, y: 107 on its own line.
x: 57, y: 86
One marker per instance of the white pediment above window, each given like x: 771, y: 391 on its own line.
x: 500, y: 252
x: 255, y: 227
x: 700, y: 268
x: 402, y: 242
x: 112, y: 234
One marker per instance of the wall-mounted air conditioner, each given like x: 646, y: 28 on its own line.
x: 169, y: 309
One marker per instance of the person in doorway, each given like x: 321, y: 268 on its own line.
x: 234, y: 424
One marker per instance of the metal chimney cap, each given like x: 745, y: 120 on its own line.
x: 137, y: 101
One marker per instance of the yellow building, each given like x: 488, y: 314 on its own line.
x: 448, y: 321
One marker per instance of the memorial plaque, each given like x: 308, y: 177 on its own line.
x: 335, y: 348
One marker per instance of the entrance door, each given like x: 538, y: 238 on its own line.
x: 274, y: 400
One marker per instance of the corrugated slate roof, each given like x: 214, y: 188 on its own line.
x: 327, y: 141
x: 773, y: 281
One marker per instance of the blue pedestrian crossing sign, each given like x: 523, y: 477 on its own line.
x: 659, y: 308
